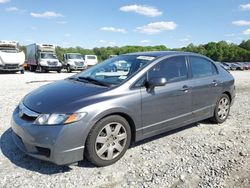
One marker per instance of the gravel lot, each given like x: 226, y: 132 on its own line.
x: 201, y: 155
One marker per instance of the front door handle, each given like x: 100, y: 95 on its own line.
x: 215, y: 82
x: 185, y: 88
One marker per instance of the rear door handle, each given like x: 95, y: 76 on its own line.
x: 185, y: 88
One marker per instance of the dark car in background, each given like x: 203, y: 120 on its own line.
x: 245, y: 65
x: 99, y: 113
x: 238, y: 66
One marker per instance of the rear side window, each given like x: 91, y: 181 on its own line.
x: 173, y: 69
x: 201, y: 67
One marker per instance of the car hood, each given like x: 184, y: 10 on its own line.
x: 63, y: 96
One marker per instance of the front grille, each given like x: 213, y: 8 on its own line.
x: 11, y: 66
x: 52, y: 63
x: 80, y: 64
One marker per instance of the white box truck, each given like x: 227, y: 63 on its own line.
x: 90, y: 60
x: 42, y: 58
x: 11, y: 59
x: 74, y: 62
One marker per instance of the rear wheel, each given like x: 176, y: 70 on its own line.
x: 108, y: 141
x: 32, y: 68
x: 222, y: 109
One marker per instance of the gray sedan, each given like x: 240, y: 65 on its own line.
x: 98, y: 113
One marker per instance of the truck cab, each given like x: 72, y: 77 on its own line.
x: 74, y: 62
x: 42, y: 58
x: 11, y: 59
x: 90, y: 60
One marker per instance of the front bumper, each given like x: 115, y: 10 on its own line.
x: 74, y: 67
x: 52, y: 68
x: 11, y: 67
x: 60, y: 144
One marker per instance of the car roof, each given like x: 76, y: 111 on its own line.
x: 162, y: 53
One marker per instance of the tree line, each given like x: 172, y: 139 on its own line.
x: 218, y: 51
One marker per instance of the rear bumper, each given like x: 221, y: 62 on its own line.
x: 60, y: 144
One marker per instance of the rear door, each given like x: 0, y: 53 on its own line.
x: 205, y: 86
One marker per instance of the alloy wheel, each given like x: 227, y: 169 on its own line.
x: 223, y: 108
x: 111, y: 141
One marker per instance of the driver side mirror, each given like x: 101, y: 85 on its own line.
x: 156, y: 81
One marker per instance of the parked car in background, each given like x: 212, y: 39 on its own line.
x: 229, y: 65
x: 74, y: 62
x: 245, y: 65
x: 97, y: 114
x: 90, y: 60
x: 238, y: 66
x: 11, y: 58
x: 232, y: 66
x: 42, y: 58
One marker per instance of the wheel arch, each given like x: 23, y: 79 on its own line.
x: 130, y: 121
x: 123, y: 114
x: 228, y: 94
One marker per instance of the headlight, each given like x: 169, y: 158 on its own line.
x: 44, y: 63
x: 55, y: 119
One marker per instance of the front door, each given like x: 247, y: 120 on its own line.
x: 167, y: 107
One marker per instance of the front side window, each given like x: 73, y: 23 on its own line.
x: 74, y: 56
x: 201, y: 67
x: 91, y: 57
x: 173, y: 69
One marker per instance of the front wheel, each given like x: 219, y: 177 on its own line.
x: 222, y: 109
x: 69, y: 69
x: 108, y: 141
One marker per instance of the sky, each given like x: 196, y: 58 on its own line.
x: 97, y: 23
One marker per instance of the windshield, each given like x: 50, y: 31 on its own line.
x: 48, y: 56
x: 74, y: 56
x: 116, y: 70
x: 91, y: 57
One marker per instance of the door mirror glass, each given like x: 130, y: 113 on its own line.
x: 156, y: 81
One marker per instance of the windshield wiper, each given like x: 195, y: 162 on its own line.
x: 94, y: 81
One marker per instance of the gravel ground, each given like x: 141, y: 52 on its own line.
x: 200, y: 155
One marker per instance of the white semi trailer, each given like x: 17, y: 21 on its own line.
x: 42, y: 58
x: 11, y: 59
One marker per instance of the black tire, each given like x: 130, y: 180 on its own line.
x: 59, y: 71
x: 69, y: 69
x: 91, y: 142
x: 40, y: 69
x: 32, y: 68
x: 217, y: 118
